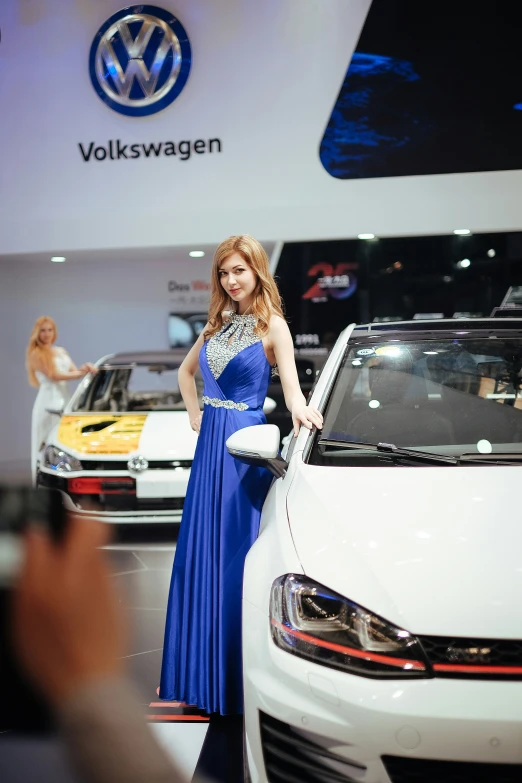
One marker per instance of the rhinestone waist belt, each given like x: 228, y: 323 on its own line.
x: 230, y: 404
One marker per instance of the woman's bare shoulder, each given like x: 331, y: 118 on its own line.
x: 277, y: 324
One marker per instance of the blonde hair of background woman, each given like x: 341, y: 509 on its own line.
x: 266, y: 298
x: 38, y: 355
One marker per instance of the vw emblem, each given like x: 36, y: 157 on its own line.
x: 140, y: 60
x: 137, y: 464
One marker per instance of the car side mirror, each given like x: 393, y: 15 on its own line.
x: 55, y: 411
x: 269, y: 405
x: 258, y: 445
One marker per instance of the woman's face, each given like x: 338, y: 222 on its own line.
x: 46, y: 333
x: 238, y: 279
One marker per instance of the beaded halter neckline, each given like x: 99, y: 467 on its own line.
x: 236, y: 334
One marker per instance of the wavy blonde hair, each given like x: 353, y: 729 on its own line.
x: 38, y: 355
x: 266, y: 297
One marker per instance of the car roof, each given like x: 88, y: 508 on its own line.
x: 457, y: 326
x: 172, y: 357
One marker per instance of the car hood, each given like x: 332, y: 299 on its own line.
x: 436, y: 550
x: 161, y: 435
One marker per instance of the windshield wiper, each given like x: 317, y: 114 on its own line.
x: 390, y: 449
x: 493, y: 458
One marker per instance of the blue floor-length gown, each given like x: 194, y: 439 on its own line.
x: 202, y: 649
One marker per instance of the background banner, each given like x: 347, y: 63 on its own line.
x: 238, y: 147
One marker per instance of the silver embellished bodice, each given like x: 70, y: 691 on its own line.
x: 235, y: 335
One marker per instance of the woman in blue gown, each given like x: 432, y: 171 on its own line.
x: 246, y: 333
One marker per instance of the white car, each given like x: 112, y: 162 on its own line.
x: 123, y: 447
x: 382, y: 601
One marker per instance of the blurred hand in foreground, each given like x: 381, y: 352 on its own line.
x: 68, y: 629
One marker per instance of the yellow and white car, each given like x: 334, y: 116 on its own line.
x: 123, y: 447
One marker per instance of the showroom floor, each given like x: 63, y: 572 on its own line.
x: 202, y: 746
x: 210, y: 747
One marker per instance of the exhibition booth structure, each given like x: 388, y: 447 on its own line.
x: 373, y: 148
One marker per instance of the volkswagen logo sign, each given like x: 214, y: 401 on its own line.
x: 137, y: 464
x: 140, y: 60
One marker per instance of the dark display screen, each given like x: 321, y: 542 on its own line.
x: 432, y: 88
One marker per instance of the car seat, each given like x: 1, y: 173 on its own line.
x: 400, y: 411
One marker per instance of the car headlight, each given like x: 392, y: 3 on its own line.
x: 57, y: 459
x: 311, y: 621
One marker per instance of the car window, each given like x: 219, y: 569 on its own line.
x: 443, y: 395
x: 140, y: 388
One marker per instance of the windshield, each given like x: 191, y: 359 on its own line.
x: 445, y: 396
x: 139, y: 388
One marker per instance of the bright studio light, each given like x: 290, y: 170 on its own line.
x: 462, y: 232
x: 388, y: 350
x: 484, y: 446
x: 58, y: 259
x: 492, y: 252
x: 197, y: 253
x: 365, y: 236
x: 464, y: 263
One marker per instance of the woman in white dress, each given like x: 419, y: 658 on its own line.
x: 49, y: 368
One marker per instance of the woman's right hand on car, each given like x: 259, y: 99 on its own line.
x: 88, y: 367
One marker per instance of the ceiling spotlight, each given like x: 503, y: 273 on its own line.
x: 464, y: 263
x: 447, y: 278
x: 462, y: 232
x: 197, y: 253
x: 492, y: 253
x: 484, y: 446
x: 366, y: 236
x: 388, y: 350
x: 58, y: 259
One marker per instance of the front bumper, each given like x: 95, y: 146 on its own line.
x: 115, y: 507
x: 370, y: 730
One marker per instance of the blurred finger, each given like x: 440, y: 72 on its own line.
x: 37, y: 551
x: 84, y: 537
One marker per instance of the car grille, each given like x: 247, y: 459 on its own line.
x: 114, y: 501
x: 51, y: 482
x: 404, y: 770
x: 98, y: 465
x: 290, y: 757
x: 451, y: 656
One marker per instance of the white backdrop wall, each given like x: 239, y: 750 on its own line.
x: 264, y: 79
x: 105, y: 306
